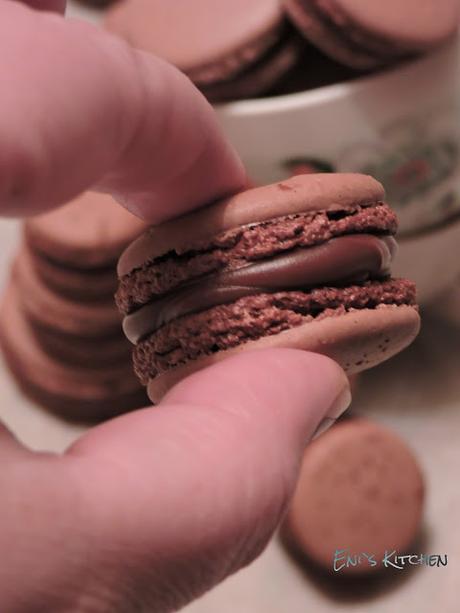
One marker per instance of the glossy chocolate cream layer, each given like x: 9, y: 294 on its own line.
x: 347, y: 259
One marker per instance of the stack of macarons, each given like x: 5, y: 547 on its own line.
x: 247, y: 48
x: 60, y: 330
x: 303, y: 263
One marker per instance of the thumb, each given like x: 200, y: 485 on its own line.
x: 179, y: 496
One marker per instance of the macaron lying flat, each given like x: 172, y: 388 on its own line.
x: 89, y: 232
x: 364, y: 34
x: 302, y: 263
x: 228, y: 49
x: 361, y: 492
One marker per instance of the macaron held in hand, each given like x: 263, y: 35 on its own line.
x: 304, y: 263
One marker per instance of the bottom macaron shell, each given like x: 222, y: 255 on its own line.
x: 357, y: 340
x: 76, y: 394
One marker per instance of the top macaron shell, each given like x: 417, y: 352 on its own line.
x: 90, y: 231
x: 208, y: 39
x: 314, y: 192
x: 364, y: 35
x: 415, y: 24
x: 360, y: 489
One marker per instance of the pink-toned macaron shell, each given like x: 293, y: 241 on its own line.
x: 72, y: 393
x: 90, y: 231
x: 47, y: 308
x: 363, y: 34
x: 334, y: 42
x: 361, y: 490
x: 298, y: 194
x: 260, y: 77
x: 414, y: 24
x: 210, y: 40
x: 357, y: 340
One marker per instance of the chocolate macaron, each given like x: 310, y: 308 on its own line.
x: 363, y: 34
x: 360, y: 494
x: 60, y: 331
x: 88, y: 232
x: 228, y: 49
x: 303, y: 263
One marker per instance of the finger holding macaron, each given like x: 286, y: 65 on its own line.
x: 304, y: 263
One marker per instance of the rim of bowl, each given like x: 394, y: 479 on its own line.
x: 327, y: 93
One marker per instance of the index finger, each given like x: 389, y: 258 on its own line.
x: 81, y: 109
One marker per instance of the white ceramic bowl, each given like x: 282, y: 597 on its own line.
x: 402, y: 126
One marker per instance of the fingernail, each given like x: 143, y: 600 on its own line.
x: 339, y: 406
x: 341, y: 403
x: 324, y: 425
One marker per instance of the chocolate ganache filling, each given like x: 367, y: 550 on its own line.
x: 346, y: 259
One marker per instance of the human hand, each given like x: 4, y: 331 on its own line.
x: 149, y: 510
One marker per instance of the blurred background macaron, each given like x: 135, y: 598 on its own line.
x: 360, y: 493
x: 230, y: 50
x: 363, y: 34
